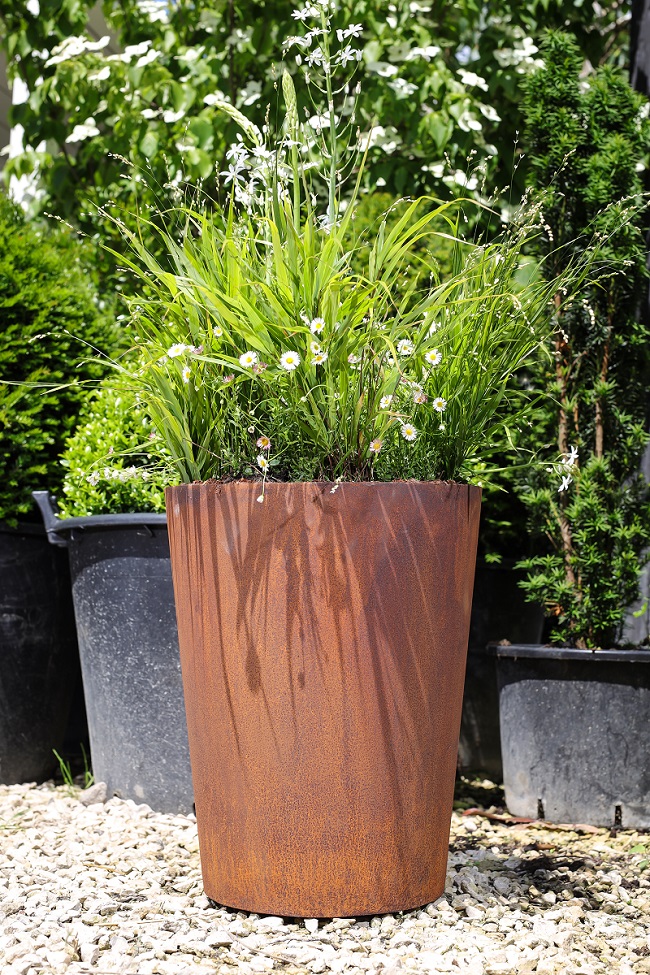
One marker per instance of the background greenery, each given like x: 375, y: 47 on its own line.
x: 587, y: 138
x: 440, y: 81
x: 51, y: 321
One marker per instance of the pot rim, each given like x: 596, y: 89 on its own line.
x: 538, y: 651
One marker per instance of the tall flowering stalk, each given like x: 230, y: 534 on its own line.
x: 258, y: 329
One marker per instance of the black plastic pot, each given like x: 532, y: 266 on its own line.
x: 39, y: 663
x: 499, y: 612
x: 574, y: 734
x: 128, y: 644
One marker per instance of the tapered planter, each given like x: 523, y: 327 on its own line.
x: 39, y: 661
x: 128, y: 644
x: 323, y: 636
x: 574, y: 733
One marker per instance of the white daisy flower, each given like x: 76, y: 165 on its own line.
x: 439, y: 404
x: 433, y: 357
x: 290, y: 361
x: 314, y: 348
x: 419, y: 396
x: 186, y: 373
x: 384, y: 402
x: 218, y: 331
x: 262, y: 462
x: 175, y: 350
x: 319, y: 358
x: 408, y: 431
x: 316, y: 325
x: 404, y: 347
x: 375, y: 446
x: 263, y: 443
x: 248, y: 359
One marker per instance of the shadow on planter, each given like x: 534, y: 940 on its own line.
x: 574, y: 734
x: 128, y: 645
x: 39, y: 663
x: 499, y: 612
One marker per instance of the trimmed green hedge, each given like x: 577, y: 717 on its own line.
x: 114, y: 461
x: 50, y: 325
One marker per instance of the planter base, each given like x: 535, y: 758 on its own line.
x: 323, y: 637
x: 574, y: 734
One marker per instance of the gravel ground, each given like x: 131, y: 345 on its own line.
x: 115, y: 887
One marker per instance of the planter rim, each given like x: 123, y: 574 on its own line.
x: 59, y: 530
x: 540, y: 652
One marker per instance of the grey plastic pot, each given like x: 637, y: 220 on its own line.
x: 574, y: 734
x: 39, y: 663
x: 499, y: 612
x: 128, y: 646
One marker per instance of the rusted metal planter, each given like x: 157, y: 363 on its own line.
x: 323, y: 637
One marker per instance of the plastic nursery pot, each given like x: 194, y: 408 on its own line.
x: 499, y: 612
x: 128, y: 645
x: 323, y: 636
x: 39, y: 662
x: 574, y: 734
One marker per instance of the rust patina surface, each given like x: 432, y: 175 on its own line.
x: 323, y: 637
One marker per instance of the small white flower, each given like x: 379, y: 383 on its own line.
x: 263, y: 443
x: 248, y: 359
x: 319, y: 358
x: 290, y: 361
x: 385, y: 401
x: 433, y: 357
x: 262, y: 462
x: 234, y: 174
x: 433, y: 328
x: 175, y: 350
x: 439, y: 404
x: 566, y: 481
x: 218, y: 331
x: 314, y: 347
x: 375, y: 446
x: 186, y: 373
x: 408, y: 431
x: 571, y: 458
x: 353, y: 359
x: 260, y: 498
x: 404, y: 347
x: 419, y: 396
x: 316, y: 325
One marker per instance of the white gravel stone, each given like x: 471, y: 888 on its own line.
x: 112, y: 887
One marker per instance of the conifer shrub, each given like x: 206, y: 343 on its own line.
x: 586, y: 141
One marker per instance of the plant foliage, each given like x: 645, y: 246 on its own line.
x: 114, y: 461
x: 442, y: 78
x: 49, y: 316
x: 265, y: 349
x: 586, y: 139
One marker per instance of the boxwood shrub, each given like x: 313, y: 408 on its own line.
x: 113, y: 462
x: 51, y: 321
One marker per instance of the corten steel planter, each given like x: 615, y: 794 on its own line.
x: 323, y: 637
